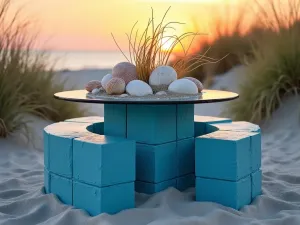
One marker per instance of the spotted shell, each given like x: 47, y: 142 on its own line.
x: 197, y: 82
x: 93, y: 84
x: 126, y: 71
x: 115, y: 86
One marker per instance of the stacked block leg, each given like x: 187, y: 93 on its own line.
x: 224, y: 168
x: 87, y: 170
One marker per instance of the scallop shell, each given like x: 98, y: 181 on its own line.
x: 197, y: 82
x: 115, y: 86
x: 91, y: 85
x: 126, y: 71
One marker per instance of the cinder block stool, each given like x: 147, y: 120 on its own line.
x: 97, y: 121
x: 202, y: 124
x: 224, y: 168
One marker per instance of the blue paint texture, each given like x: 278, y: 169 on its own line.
x: 256, y: 183
x: 186, y: 156
x: 185, y: 121
x: 185, y: 182
x: 115, y: 120
x: 62, y: 187
x: 151, y: 188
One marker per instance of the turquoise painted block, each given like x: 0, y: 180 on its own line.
x: 97, y: 121
x: 156, y: 163
x: 238, y: 126
x: 151, y: 124
x: 234, y: 194
x: 186, y: 156
x: 152, y: 188
x: 255, y: 151
x: 115, y: 120
x: 223, y: 155
x: 103, y: 160
x: 60, y: 142
x: 111, y: 199
x: 256, y: 184
x: 46, y: 181
x: 185, y: 121
x: 201, y: 123
x: 186, y: 182
x: 46, y: 149
x: 62, y: 187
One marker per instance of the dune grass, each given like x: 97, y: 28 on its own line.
x: 26, y: 85
x: 274, y: 71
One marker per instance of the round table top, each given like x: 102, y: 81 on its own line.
x: 208, y: 96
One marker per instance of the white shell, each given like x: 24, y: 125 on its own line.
x: 183, y: 86
x: 105, y: 80
x: 161, y: 93
x: 95, y: 91
x: 138, y: 88
x: 162, y: 75
x: 124, y: 95
x: 197, y: 82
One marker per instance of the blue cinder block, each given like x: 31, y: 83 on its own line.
x: 46, y: 181
x: 62, y: 187
x: 151, y: 188
x: 238, y: 126
x: 111, y: 199
x: 185, y: 121
x: 103, y: 160
x: 60, y: 141
x: 256, y: 183
x: 115, y: 120
x: 186, y: 182
x: 151, y: 124
x: 223, y: 155
x: 46, y: 149
x: 97, y: 121
x: 156, y: 163
x: 202, y: 122
x: 186, y: 156
x: 255, y: 151
x: 234, y: 194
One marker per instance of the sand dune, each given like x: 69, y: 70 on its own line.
x: 22, y: 201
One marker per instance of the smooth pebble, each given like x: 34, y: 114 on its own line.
x: 162, y: 75
x: 95, y: 91
x: 183, y: 86
x: 105, y: 80
x: 138, y: 88
x: 161, y: 93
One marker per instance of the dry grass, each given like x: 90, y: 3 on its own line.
x: 147, y: 52
x: 274, y: 70
x: 26, y: 86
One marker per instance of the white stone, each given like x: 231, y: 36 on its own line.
x: 183, y: 86
x: 162, y: 75
x: 95, y: 91
x: 124, y: 95
x: 138, y: 88
x: 105, y: 80
x: 161, y: 93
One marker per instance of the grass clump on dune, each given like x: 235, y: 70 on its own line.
x: 26, y: 86
x: 274, y: 71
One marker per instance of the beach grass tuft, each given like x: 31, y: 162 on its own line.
x: 26, y: 85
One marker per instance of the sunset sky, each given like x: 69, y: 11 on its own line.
x: 87, y: 24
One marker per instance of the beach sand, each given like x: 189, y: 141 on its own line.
x: 22, y: 201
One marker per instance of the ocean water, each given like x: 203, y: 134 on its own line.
x: 78, y: 60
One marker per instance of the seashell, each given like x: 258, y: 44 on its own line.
x: 115, y: 86
x: 124, y: 95
x: 105, y: 79
x: 162, y: 75
x: 197, y: 82
x: 95, y: 91
x: 92, y: 85
x: 126, y: 71
x: 183, y: 86
x: 138, y: 88
x: 161, y: 93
